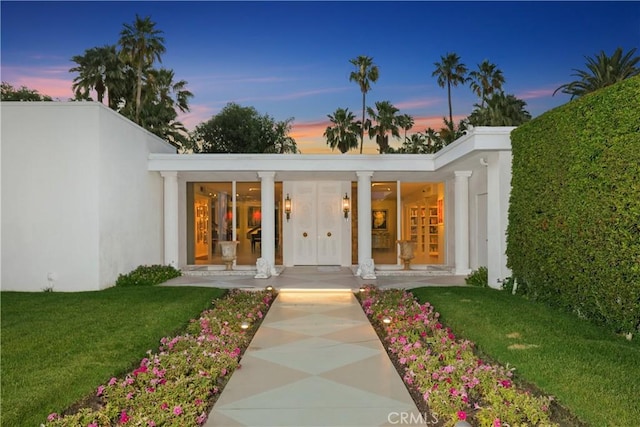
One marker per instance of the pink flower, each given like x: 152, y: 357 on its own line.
x: 462, y: 415
x: 151, y: 423
x: 177, y: 410
x: 164, y: 406
x: 100, y: 390
x: 497, y: 423
x: 92, y: 425
x: 505, y: 383
x: 201, y: 419
x: 140, y: 370
x: 113, y: 381
x: 52, y: 416
x: 124, y: 418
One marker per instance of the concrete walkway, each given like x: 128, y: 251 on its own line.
x: 314, y: 361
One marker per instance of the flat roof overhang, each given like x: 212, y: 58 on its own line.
x: 463, y: 154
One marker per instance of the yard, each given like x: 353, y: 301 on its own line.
x: 590, y: 371
x: 58, y: 347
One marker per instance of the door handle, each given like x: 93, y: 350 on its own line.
x: 304, y: 234
x: 328, y: 234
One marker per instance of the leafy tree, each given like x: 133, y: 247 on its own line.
x: 386, y: 121
x: 238, y: 129
x: 98, y: 69
x: 366, y: 73
x: 602, y: 71
x: 450, y: 71
x: 141, y: 45
x: 344, y: 132
x: 9, y: 93
x: 501, y: 110
x: 485, y: 81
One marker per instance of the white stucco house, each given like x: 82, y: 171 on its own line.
x: 88, y: 195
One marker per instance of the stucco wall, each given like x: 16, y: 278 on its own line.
x: 78, y: 204
x: 130, y: 198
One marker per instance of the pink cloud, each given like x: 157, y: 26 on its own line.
x: 535, y: 93
x: 55, y: 82
x: 417, y: 103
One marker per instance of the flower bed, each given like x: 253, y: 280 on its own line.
x: 178, y: 384
x: 444, y: 371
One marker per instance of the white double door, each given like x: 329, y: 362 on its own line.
x: 318, y: 224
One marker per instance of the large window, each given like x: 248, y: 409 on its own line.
x: 212, y: 216
x: 423, y: 221
x: 415, y: 214
x: 384, y: 222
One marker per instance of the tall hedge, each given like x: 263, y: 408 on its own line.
x: 574, y: 217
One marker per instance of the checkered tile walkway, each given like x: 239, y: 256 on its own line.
x: 314, y: 361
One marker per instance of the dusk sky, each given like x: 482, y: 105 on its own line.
x: 291, y: 59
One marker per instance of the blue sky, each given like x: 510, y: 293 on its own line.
x: 291, y: 59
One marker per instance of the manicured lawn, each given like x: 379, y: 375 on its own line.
x: 57, y: 347
x: 592, y: 372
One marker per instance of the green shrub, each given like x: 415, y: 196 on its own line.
x: 148, y: 275
x: 574, y: 211
x: 479, y: 278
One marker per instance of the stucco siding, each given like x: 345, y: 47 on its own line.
x: 49, y: 198
x: 79, y: 205
x: 130, y: 199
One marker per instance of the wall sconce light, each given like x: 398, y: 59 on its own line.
x: 346, y: 205
x: 287, y: 207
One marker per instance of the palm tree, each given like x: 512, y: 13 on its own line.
x: 449, y: 133
x: 602, y: 71
x: 344, y: 132
x: 365, y: 74
x: 386, y: 121
x: 141, y: 45
x: 416, y: 144
x: 98, y: 69
x: 161, y: 98
x: 450, y: 72
x: 486, y: 80
x: 501, y: 110
x: 283, y: 143
x: 434, y: 141
x: 406, y: 122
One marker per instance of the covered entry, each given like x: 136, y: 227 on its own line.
x: 318, y: 231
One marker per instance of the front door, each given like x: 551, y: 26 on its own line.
x: 317, y: 227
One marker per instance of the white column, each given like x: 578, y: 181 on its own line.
x: 268, y: 232
x: 365, y: 261
x: 498, y: 192
x: 461, y: 222
x: 171, y: 251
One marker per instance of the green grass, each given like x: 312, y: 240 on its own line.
x: 58, y: 347
x: 590, y: 371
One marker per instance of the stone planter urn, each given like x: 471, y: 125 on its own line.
x: 406, y: 252
x: 228, y: 250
